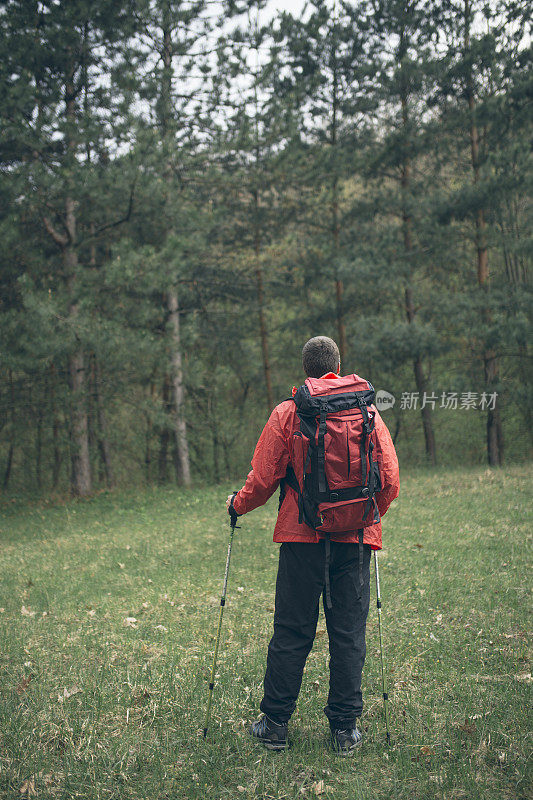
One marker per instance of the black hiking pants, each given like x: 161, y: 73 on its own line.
x: 299, y: 584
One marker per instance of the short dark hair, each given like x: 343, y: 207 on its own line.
x: 320, y: 355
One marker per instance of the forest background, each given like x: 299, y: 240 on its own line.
x: 191, y: 189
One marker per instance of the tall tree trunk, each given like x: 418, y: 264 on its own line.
x: 339, y: 288
x: 55, y: 429
x: 9, y: 461
x: 164, y: 435
x: 79, y: 447
x: 79, y: 444
x: 261, y: 305
x: 214, y: 424
x: 490, y: 360
x: 148, y: 445
x: 263, y: 331
x: 39, y: 442
x: 177, y: 393
x: 410, y: 310
x: 179, y: 425
x: 101, y: 427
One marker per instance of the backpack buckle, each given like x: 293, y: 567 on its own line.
x: 333, y: 497
x: 365, y: 491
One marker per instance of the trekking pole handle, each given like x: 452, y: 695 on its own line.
x: 233, y: 514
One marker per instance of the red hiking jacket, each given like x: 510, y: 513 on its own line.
x: 273, y: 454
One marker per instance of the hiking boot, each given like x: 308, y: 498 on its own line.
x: 273, y: 735
x: 345, y: 741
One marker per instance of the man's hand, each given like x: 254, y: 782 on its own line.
x: 231, y: 511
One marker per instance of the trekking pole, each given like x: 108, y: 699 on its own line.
x: 233, y: 524
x: 385, y: 694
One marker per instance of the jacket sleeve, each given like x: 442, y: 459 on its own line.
x: 269, y: 465
x: 388, y: 461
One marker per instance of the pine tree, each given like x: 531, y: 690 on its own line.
x: 396, y: 165
x: 483, y: 59
x: 249, y: 153
x: 174, y: 38
x: 54, y: 57
x: 323, y: 78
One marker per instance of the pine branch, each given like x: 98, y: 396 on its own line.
x: 60, y: 239
x: 116, y: 222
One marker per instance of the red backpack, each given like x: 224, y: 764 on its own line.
x: 332, y: 469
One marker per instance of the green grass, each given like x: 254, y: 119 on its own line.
x: 455, y: 596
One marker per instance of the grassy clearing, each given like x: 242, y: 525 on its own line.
x: 108, y: 614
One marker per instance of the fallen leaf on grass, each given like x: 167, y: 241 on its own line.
x: 23, y: 685
x: 28, y: 788
x: 141, y: 697
x: 130, y: 621
x: 318, y: 787
x: 68, y: 693
x: 48, y: 778
x: 425, y: 752
x: 26, y: 612
x: 467, y: 727
x: 525, y: 677
x: 241, y: 789
x: 161, y: 628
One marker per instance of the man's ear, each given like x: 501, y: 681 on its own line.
x: 339, y: 368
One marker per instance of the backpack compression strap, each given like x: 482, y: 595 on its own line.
x: 370, y: 484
